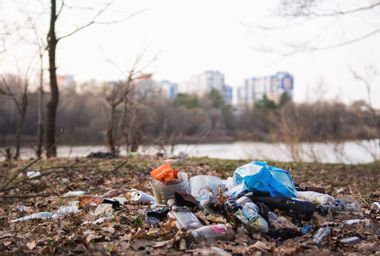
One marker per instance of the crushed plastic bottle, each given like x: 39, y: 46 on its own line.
x: 212, y: 233
x: 346, y: 205
x: 34, y: 216
x: 206, y: 198
x: 321, y: 235
x: 185, y: 219
x: 64, y: 211
x: 251, y: 213
x: 205, y: 188
x: 316, y: 198
x: 366, y: 222
x: 74, y: 193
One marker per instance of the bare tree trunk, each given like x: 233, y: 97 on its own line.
x: 40, y: 126
x: 20, y: 126
x: 50, y: 143
x: 108, y: 134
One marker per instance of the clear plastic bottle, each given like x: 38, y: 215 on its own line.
x: 185, y: 219
x: 255, y: 222
x: 212, y: 233
x: 321, y: 235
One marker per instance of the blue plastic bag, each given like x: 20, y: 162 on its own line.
x: 246, y: 170
x: 275, y: 181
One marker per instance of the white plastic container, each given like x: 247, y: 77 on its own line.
x: 165, y: 191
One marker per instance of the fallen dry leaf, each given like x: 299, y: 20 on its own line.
x: 31, y: 245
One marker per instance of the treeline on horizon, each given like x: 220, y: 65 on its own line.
x: 82, y: 119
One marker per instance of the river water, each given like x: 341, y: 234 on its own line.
x: 350, y: 152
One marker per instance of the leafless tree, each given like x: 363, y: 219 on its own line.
x: 119, y: 91
x: 52, y: 42
x: 301, y: 12
x: 366, y: 80
x: 17, y: 89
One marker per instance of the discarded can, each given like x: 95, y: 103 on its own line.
x: 141, y: 197
x: 375, y: 207
x: 212, y: 233
x: 185, y: 219
x: 321, y: 235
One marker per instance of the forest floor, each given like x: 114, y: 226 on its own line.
x: 128, y: 232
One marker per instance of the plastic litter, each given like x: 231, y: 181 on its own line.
x: 74, y: 193
x: 316, y: 198
x: 103, y: 209
x: 165, y: 191
x: 212, y: 233
x: 306, y: 229
x: 349, y: 240
x: 210, y: 183
x: 258, y: 176
x: 344, y: 205
x: 298, y: 209
x: 243, y: 200
x: 164, y: 173
x: 34, y: 216
x: 375, y: 207
x: 102, y: 219
x: 33, y: 174
x: 366, y: 222
x: 245, y: 170
x: 321, y: 235
x: 64, y: 211
x: 141, y: 197
x: 185, y: 219
x: 250, y: 217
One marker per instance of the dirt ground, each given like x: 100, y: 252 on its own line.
x: 128, y: 233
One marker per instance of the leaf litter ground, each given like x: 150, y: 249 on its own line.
x: 128, y: 233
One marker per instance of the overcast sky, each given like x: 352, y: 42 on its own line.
x: 192, y: 36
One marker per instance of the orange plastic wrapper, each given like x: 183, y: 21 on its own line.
x: 87, y: 200
x: 164, y: 173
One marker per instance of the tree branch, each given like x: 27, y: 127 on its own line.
x: 91, y: 22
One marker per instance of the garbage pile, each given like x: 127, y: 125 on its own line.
x: 257, y: 199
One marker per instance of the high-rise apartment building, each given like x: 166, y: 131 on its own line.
x: 273, y: 86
